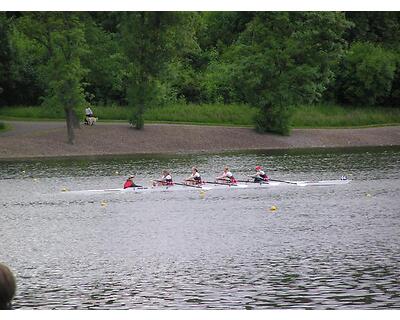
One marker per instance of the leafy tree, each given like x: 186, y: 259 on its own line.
x: 376, y: 27
x: 393, y: 98
x: 367, y: 74
x: 59, y: 38
x: 283, y: 59
x: 105, y: 63
x: 149, y: 40
x: 222, y: 29
x: 5, y: 60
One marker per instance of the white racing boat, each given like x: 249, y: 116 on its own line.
x: 217, y: 186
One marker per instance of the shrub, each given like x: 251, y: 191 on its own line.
x: 273, y: 119
x: 367, y: 74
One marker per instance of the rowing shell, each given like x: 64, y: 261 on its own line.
x: 217, y: 187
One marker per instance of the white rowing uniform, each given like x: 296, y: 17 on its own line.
x: 167, y: 178
x: 261, y: 173
x: 195, y: 176
x: 228, y: 174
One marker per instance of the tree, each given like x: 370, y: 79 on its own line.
x: 367, y: 73
x: 149, y: 40
x: 382, y: 28
x: 59, y: 38
x: 5, y: 61
x: 105, y: 63
x: 282, y: 59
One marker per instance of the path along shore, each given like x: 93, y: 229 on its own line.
x: 29, y: 139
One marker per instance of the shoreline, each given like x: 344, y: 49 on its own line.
x: 47, y: 140
x: 190, y: 153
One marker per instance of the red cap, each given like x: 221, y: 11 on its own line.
x: 258, y: 168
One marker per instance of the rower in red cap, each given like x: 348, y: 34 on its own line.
x: 260, y: 175
x: 129, y: 182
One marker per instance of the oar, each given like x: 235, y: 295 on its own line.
x: 140, y: 187
x: 249, y: 181
x: 187, y: 185
x: 224, y: 184
x: 289, y: 182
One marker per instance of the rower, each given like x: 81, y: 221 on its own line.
x: 129, y: 183
x: 227, y: 176
x: 260, y: 175
x: 195, y: 177
x: 166, y: 180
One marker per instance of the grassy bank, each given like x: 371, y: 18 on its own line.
x: 315, y: 116
x: 206, y: 114
x: 319, y: 116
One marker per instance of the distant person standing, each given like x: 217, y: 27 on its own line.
x: 7, y: 287
x: 90, y: 119
x: 88, y: 112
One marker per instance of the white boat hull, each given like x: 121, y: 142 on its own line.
x: 207, y: 187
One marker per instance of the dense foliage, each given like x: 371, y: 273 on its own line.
x: 273, y: 61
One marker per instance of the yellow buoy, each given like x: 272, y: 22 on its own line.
x: 103, y: 203
x: 23, y: 171
x: 368, y: 195
x: 116, y: 172
x: 202, y: 194
x: 273, y: 208
x: 34, y: 179
x: 64, y: 189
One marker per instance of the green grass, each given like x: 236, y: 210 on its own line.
x: 199, y: 114
x: 31, y: 112
x: 316, y: 116
x: 206, y: 113
x: 321, y: 116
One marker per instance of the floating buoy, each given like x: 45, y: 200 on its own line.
x: 103, y: 203
x: 23, y: 171
x: 368, y: 195
x: 64, y: 189
x: 202, y: 194
x: 116, y: 172
x: 273, y: 208
x: 34, y: 179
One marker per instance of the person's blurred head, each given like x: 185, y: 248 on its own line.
x: 7, y: 287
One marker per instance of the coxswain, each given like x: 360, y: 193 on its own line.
x: 227, y: 176
x: 260, y: 175
x: 166, y: 179
x: 129, y: 183
x: 195, y: 177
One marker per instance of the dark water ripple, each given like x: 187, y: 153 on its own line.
x: 324, y: 248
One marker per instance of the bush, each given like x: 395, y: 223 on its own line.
x: 367, y: 74
x: 2, y: 126
x: 273, y: 119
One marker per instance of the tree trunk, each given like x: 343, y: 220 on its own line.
x: 75, y: 120
x: 70, y: 125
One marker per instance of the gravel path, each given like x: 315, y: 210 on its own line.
x: 48, y: 139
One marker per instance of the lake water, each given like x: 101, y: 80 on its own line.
x: 332, y: 247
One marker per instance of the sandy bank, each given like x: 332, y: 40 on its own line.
x: 48, y: 139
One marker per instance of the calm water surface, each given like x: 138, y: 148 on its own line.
x: 324, y: 247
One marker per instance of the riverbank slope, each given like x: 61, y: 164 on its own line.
x: 49, y: 139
